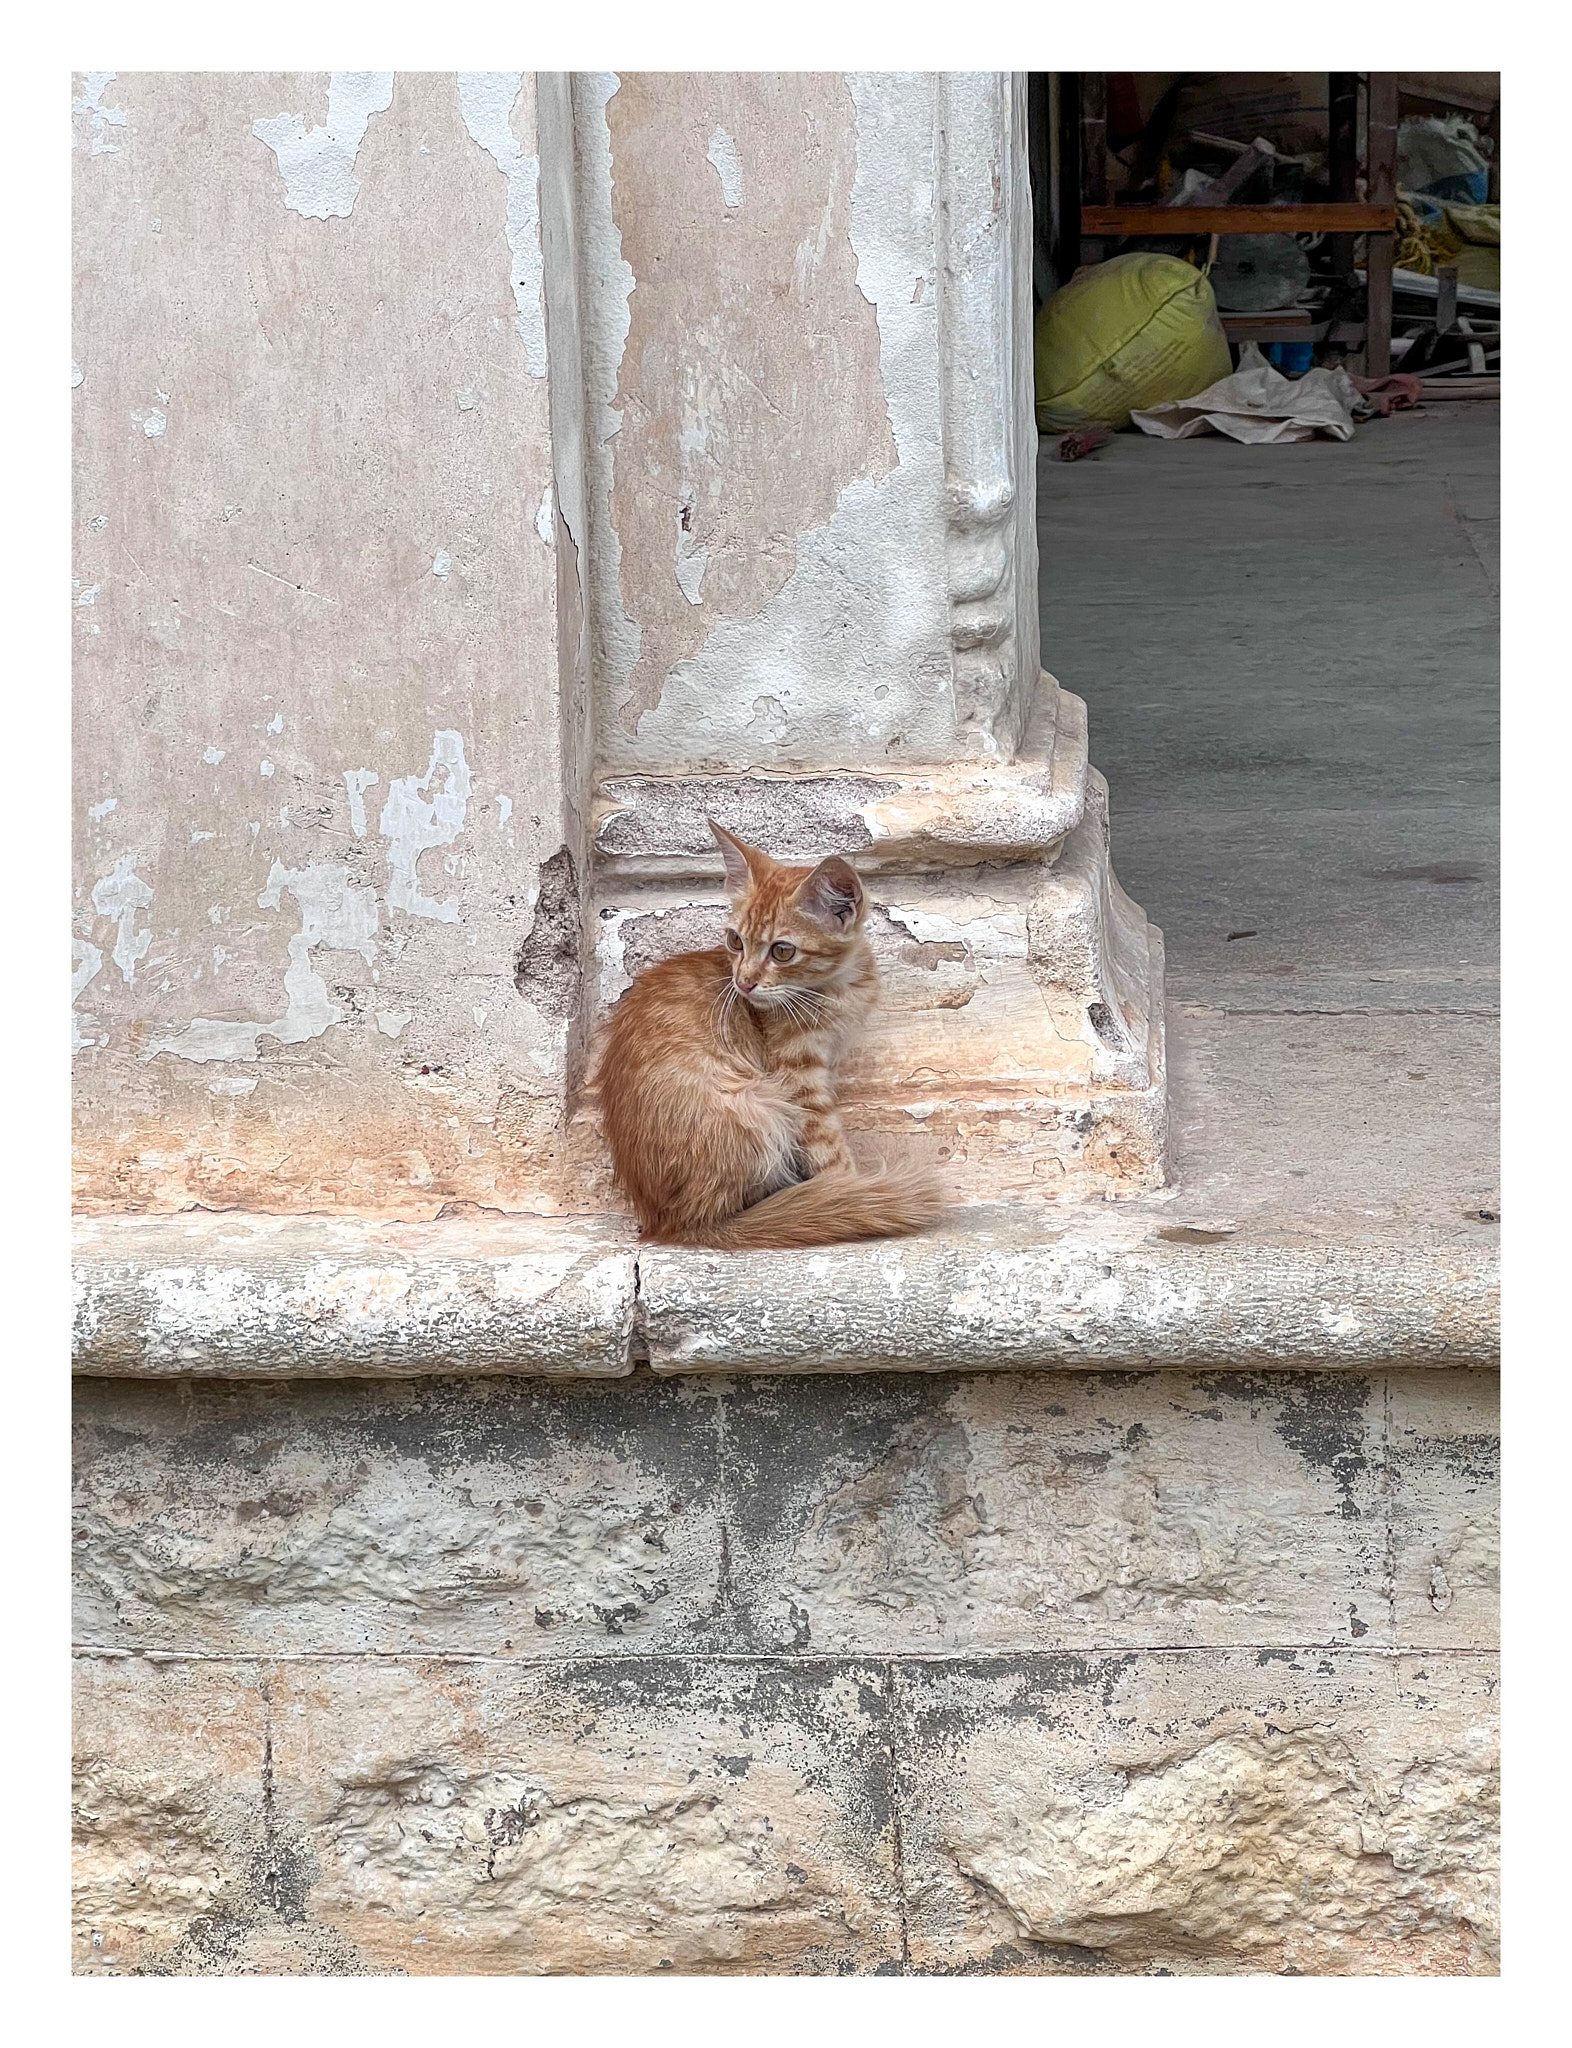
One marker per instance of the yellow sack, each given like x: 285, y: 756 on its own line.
x: 1473, y: 223
x: 1133, y: 332
x: 1479, y: 260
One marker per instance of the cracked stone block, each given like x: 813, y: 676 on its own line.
x: 503, y: 1517
x: 1446, y: 1513
x: 176, y: 1871
x: 1323, y: 1813
x: 626, y: 1816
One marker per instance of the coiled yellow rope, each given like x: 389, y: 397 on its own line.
x: 1419, y: 246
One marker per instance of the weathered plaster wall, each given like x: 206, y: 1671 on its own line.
x: 750, y: 391
x: 807, y: 504
x: 328, y: 629
x: 482, y: 477
x: 1052, y: 1673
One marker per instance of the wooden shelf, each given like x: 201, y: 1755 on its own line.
x: 1290, y: 325
x: 1238, y: 220
x: 1083, y: 215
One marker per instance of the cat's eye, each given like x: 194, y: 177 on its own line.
x: 783, y: 949
x: 733, y: 940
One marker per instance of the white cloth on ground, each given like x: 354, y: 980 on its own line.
x: 1258, y: 403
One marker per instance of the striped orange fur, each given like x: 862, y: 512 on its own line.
x: 716, y: 1073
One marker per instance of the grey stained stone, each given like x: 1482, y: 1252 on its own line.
x: 493, y: 1517
x: 1009, y: 1512
x: 1443, y: 1449
x: 932, y: 1514
x: 800, y: 819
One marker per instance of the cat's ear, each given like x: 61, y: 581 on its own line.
x: 744, y: 863
x: 832, y: 895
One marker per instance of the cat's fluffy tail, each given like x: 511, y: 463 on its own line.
x: 830, y: 1209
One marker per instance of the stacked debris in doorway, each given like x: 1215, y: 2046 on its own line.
x: 1196, y: 231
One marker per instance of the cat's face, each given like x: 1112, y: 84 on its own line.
x: 793, y: 931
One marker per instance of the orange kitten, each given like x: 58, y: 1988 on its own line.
x: 715, y: 1073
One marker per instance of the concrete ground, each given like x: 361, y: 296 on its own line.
x: 1289, y: 655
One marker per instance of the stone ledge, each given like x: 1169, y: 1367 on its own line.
x: 1109, y: 1295
x: 1105, y: 1287
x: 282, y: 1297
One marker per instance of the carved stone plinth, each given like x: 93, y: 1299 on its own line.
x: 1019, y: 1043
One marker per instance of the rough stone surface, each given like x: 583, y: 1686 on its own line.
x: 920, y: 1514
x: 454, y: 1819
x: 910, y: 818
x: 599, y: 1816
x: 998, y: 1295
x: 281, y: 1296
x: 1086, y: 1673
x: 1310, y: 1813
x: 1316, y: 1813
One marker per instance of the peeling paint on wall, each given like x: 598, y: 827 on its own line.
x: 407, y: 452
x: 995, y: 933
x: 89, y: 107
x: 333, y: 913
x: 120, y: 895
x: 318, y: 165
x: 412, y: 822
x: 217, y: 323
x: 86, y: 960
x: 488, y: 98
x: 750, y: 385
x: 722, y: 153
x: 357, y: 781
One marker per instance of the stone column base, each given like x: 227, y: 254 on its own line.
x: 1019, y: 1043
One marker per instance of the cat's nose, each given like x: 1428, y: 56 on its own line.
x: 747, y: 987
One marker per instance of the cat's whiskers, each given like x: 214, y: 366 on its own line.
x: 721, y: 1009
x: 802, y: 1005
